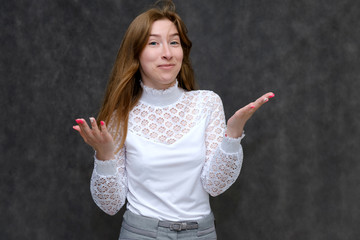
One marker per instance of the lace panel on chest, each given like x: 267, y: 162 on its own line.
x: 170, y: 123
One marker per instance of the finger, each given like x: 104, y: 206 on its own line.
x: 94, y: 125
x: 77, y: 128
x: 103, y: 127
x: 249, y: 107
x: 84, y: 127
x: 263, y: 99
x: 104, y: 130
x: 266, y: 97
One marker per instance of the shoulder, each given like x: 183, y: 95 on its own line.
x: 205, y: 94
x: 206, y: 97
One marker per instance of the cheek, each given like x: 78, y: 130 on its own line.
x: 144, y: 63
x: 143, y: 59
x: 146, y: 57
x: 181, y: 55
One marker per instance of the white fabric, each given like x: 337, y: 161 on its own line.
x: 175, y: 155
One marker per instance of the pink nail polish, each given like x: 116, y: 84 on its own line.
x: 79, y: 121
x: 252, y: 107
x: 272, y: 95
x: 75, y: 128
x: 102, y: 123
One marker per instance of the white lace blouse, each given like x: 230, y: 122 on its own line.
x: 174, y: 156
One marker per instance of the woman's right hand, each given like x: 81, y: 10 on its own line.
x: 99, y: 139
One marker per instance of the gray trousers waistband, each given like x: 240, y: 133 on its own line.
x: 140, y: 227
x: 153, y: 224
x: 179, y: 226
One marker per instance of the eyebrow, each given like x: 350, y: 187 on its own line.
x: 158, y: 35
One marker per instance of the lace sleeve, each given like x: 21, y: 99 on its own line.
x: 109, y: 183
x: 223, y: 155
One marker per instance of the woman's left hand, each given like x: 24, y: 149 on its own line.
x: 236, y: 123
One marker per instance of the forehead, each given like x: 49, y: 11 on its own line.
x: 163, y: 26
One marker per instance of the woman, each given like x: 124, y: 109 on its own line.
x: 162, y: 145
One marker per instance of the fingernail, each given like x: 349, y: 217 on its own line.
x: 79, y: 121
x: 92, y: 119
x: 272, y: 95
x: 252, y: 107
x: 76, y: 128
x: 266, y: 99
x: 102, y: 123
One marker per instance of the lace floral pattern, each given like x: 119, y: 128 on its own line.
x: 221, y: 169
x: 109, y: 191
x: 169, y: 123
x: 166, y: 125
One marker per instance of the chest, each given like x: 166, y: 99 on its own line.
x: 147, y: 157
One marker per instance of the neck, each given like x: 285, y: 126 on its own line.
x: 161, y: 97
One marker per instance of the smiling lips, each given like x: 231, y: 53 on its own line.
x: 166, y: 66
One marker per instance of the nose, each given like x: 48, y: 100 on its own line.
x: 166, y: 54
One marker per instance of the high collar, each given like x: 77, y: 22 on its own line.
x: 161, y: 97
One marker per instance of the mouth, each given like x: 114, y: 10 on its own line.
x: 166, y: 66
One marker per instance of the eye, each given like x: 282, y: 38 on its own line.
x: 174, y: 43
x: 152, y: 43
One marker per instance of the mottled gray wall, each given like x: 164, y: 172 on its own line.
x: 301, y: 174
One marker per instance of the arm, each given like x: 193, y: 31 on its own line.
x: 224, y: 155
x: 108, y: 182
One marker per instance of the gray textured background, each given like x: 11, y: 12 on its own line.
x: 301, y: 174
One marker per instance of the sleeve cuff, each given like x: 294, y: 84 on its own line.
x: 105, y: 168
x: 231, y: 145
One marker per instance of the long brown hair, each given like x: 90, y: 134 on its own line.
x: 123, y: 90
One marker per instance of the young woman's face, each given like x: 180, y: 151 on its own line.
x: 161, y: 59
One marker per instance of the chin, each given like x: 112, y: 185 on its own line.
x: 167, y: 80
x: 171, y: 82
